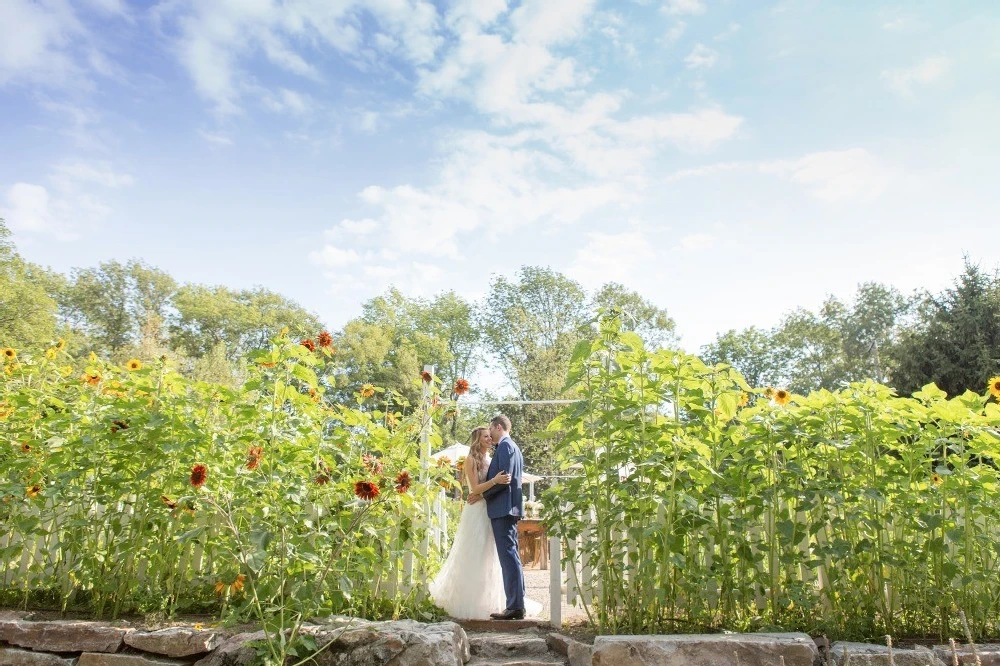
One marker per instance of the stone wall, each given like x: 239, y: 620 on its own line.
x: 346, y: 642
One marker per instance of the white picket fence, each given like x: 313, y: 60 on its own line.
x: 38, y: 557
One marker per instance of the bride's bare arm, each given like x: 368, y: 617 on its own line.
x: 471, y: 474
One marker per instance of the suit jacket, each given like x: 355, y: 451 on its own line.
x: 506, y: 500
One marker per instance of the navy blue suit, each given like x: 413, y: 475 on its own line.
x: 505, y: 506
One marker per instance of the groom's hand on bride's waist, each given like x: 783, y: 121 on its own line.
x: 474, y: 497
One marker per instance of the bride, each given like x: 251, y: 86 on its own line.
x: 470, y: 583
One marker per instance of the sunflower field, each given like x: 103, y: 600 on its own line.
x: 132, y: 489
x: 698, y: 503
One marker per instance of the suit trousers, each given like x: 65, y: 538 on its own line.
x: 505, y: 533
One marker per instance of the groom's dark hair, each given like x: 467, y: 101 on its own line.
x: 501, y: 421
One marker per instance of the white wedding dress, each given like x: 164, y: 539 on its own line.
x: 470, y: 583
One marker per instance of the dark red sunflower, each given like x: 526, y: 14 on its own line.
x: 324, y: 339
x: 365, y: 490
x: 117, y: 425
x: 461, y: 387
x: 426, y: 376
x: 367, y: 390
x: 25, y: 447
x: 254, y: 454
x: 167, y: 502
x: 309, y: 344
x: 403, y: 482
x: 198, y: 475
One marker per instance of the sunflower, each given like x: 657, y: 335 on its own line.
x: 66, y: 370
x: 198, y: 474
x: 25, y: 447
x: 237, y: 585
x: 324, y: 339
x: 9, y: 353
x: 33, y: 490
x: 133, y: 365
x: 461, y: 386
x: 744, y: 399
x: 367, y: 390
x: 426, y: 376
x: 267, y: 364
x: 936, y: 479
x: 5, y: 410
x: 60, y: 344
x: 769, y: 393
x: 995, y: 387
x: 782, y: 397
x: 403, y: 482
x: 284, y: 332
x: 309, y: 344
x: 253, y: 457
x: 314, y: 394
x: 92, y: 378
x: 117, y: 425
x: 220, y: 587
x: 167, y: 502
x: 366, y: 490
x: 321, y: 479
x: 50, y: 354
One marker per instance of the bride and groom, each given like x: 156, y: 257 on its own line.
x: 482, y: 575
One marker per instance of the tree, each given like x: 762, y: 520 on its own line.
x: 27, y: 311
x: 533, y: 324
x: 752, y: 352
x: 955, y: 342
x: 113, y: 303
x: 652, y: 323
x: 243, y: 321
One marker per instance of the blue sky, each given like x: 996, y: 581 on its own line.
x: 730, y: 160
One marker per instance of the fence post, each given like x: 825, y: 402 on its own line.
x: 555, y: 582
x: 425, y: 461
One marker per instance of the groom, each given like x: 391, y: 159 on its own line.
x: 505, y: 506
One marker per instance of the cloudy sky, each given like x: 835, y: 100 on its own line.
x: 729, y: 159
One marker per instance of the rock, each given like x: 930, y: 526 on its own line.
x: 363, y: 643
x: 63, y: 636
x: 989, y: 655
x: 559, y: 643
x: 494, y: 626
x: 18, y: 657
x: 869, y: 654
x: 704, y: 650
x: 105, y: 659
x: 578, y: 654
x: 175, y: 641
x: 402, y: 642
x: 499, y: 646
x: 235, y: 651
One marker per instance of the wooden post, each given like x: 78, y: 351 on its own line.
x: 425, y: 460
x: 555, y: 582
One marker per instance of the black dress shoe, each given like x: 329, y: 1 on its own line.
x: 509, y: 615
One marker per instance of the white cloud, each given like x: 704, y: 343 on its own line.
x: 70, y: 205
x: 698, y: 130
x: 214, y: 38
x: 729, y: 32
x: 684, y: 7
x: 902, y: 81
x: 675, y: 33
x: 701, y: 57
x: 696, y: 242
x: 611, y: 257
x: 36, y: 41
x: 546, y: 22
x: 832, y: 176
x: 894, y: 24
x: 70, y: 173
x: 216, y: 139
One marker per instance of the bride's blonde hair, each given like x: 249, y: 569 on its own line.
x: 477, y: 453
